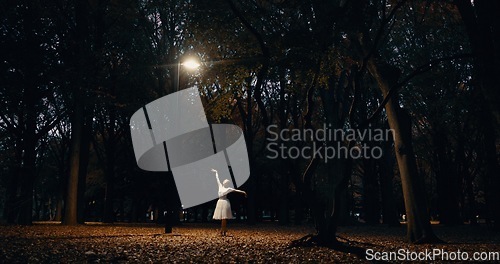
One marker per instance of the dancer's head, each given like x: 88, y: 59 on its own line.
x: 225, y: 183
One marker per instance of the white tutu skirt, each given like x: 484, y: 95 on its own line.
x: 223, y: 210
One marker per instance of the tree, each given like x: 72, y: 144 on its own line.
x: 483, y: 31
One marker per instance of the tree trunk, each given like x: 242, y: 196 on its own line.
x: 71, y: 203
x: 418, y: 224
x: 447, y: 182
x: 82, y: 173
x: 327, y: 207
x: 480, y: 21
x: 299, y: 196
x: 27, y: 178
x: 284, y: 164
x: 78, y: 118
x: 11, y: 208
x: 479, y: 18
x: 371, y: 201
x: 492, y: 177
x: 29, y: 111
x: 468, y: 205
x: 386, y: 171
x: 252, y: 181
x: 25, y: 216
x: 108, y: 216
x: 59, y: 210
x: 283, y: 194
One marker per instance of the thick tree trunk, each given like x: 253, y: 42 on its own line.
x: 28, y: 176
x: 418, y: 224
x: 82, y: 174
x: 71, y: 203
x: 27, y: 173
x: 11, y: 208
x: 327, y: 207
x: 78, y: 118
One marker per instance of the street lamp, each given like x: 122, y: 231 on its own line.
x: 190, y: 64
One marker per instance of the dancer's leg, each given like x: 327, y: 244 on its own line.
x: 224, y: 226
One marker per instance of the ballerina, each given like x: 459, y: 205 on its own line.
x: 223, y: 207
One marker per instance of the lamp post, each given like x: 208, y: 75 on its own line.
x: 190, y: 64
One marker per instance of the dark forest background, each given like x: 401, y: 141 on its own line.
x: 73, y: 72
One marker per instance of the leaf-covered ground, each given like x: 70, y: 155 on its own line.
x: 195, y: 243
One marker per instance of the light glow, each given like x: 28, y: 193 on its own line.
x: 191, y: 64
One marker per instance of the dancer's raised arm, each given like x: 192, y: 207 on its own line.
x: 217, y: 177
